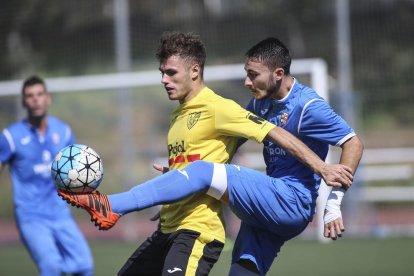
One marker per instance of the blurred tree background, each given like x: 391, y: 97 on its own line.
x: 61, y: 38
x: 74, y: 38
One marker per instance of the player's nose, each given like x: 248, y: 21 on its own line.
x: 247, y: 82
x: 164, y: 79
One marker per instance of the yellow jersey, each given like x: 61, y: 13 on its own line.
x: 206, y: 128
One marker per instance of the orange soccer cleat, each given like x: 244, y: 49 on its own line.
x: 96, y: 204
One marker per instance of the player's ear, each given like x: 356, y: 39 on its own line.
x: 195, y: 71
x: 278, y: 73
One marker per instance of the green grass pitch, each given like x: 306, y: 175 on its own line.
x: 298, y: 257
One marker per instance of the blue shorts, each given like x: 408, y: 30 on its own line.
x: 270, y: 214
x: 56, y: 245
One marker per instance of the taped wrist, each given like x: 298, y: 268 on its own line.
x: 333, y: 205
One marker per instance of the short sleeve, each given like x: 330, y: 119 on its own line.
x: 320, y: 122
x: 233, y: 120
x: 6, y: 146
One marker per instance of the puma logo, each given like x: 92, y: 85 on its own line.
x: 25, y: 140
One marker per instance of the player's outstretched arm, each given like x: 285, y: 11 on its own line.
x: 337, y: 175
x: 351, y: 156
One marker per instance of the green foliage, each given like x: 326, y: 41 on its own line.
x: 77, y: 38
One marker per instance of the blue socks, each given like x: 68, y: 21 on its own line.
x: 164, y: 189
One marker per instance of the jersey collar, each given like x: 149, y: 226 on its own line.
x: 287, y: 95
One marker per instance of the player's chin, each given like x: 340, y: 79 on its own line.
x: 171, y: 94
x: 38, y: 113
x: 259, y: 95
x: 172, y: 97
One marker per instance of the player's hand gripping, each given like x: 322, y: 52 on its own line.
x: 337, y: 175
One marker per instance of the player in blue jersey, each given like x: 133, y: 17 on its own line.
x: 282, y: 100
x: 273, y: 208
x: 45, y: 225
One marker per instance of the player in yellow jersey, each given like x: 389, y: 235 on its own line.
x: 201, y: 130
x: 204, y: 127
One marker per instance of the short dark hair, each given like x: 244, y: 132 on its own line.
x: 188, y: 46
x: 32, y: 81
x: 271, y: 52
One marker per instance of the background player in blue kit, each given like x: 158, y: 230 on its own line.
x: 45, y: 223
x: 273, y: 208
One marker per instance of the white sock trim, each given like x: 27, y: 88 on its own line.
x: 218, y: 182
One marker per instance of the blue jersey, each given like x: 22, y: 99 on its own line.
x: 310, y: 118
x: 30, y: 156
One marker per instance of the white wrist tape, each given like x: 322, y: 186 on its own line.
x: 333, y: 205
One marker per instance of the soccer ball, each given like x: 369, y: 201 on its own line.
x: 77, y: 168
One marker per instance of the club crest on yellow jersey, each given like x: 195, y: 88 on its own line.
x: 193, y: 119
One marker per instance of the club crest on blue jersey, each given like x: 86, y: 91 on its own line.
x: 283, y: 119
x: 25, y: 140
x: 56, y: 138
x: 193, y: 119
